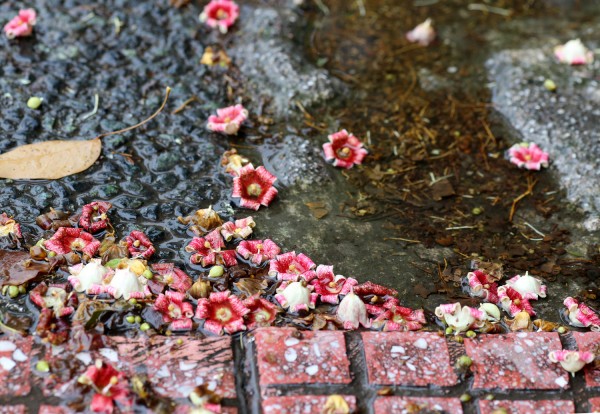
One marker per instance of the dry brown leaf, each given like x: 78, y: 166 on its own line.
x: 16, y: 268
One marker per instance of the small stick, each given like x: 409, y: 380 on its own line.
x: 534, y: 229
x: 401, y: 239
x: 94, y: 111
x: 361, y: 7
x: 530, y: 185
x: 183, y: 105
x: 461, y: 227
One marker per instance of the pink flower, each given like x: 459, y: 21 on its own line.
x: 581, y: 315
x: 222, y: 312
x: 528, y: 156
x: 21, y: 25
x: 9, y: 226
x: 571, y: 361
x: 67, y: 239
x: 109, y: 384
x: 399, y: 318
x: 352, y: 312
x: 459, y: 318
x: 344, y: 149
x: 139, y: 245
x: 258, y: 251
x: 228, y: 120
x: 513, y: 302
x: 240, y: 229
x: 221, y: 14
x: 574, y: 53
x: 54, y: 297
x: 262, y: 312
x: 173, y: 277
x: 529, y: 287
x: 329, y: 286
x: 370, y: 288
x: 422, y: 34
x: 93, y: 216
x: 175, y: 310
x: 481, y: 286
x: 207, y: 250
x: 289, y: 266
x: 296, y: 296
x: 254, y: 187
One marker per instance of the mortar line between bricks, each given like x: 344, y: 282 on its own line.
x: 241, y: 380
x: 365, y: 397
x: 250, y: 374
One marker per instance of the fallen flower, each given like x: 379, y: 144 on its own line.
x: 459, y: 318
x: 254, y: 187
x: 529, y: 287
x: 109, y: 385
x: 52, y: 329
x: 370, y: 288
x: 67, y: 239
x: 172, y: 276
x: 258, y: 251
x: 211, y: 58
x: 21, y: 25
x: 228, y: 120
x: 204, y: 221
x: 52, y: 297
x: 296, y: 296
x: 573, y: 53
x: 233, y: 162
x: 521, y: 322
x: 93, y: 216
x: 329, y: 286
x: 289, y: 266
x: 481, y: 286
x: 352, y: 312
x: 127, y: 282
x: 8, y: 226
x: 344, y: 149
x: 240, y: 229
x: 207, y: 251
x: 220, y: 14
x: 581, y: 315
x: 571, y: 361
x: 422, y: 34
x: 528, y: 156
x: 513, y: 302
x: 222, y: 312
x: 400, y: 318
x: 175, y: 310
x: 491, y: 310
x: 83, y: 277
x: 262, y: 312
x: 139, y: 245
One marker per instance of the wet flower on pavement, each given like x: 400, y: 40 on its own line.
x: 127, y: 282
x: 8, y: 226
x: 521, y: 322
x: 344, y: 149
x: 21, y: 25
x: 228, y: 120
x: 93, y: 216
x: 370, y: 288
x: 258, y: 251
x: 482, y: 286
x: 528, y: 156
x: 172, y: 276
x: 329, y: 286
x: 67, y: 239
x: 206, y: 251
x: 529, y: 287
x: 254, y: 187
x: 84, y: 276
x: 352, y: 312
x: 571, y: 361
x: 205, y: 220
x: 222, y: 312
x: 139, y: 245
x: 296, y: 296
x: 491, y: 310
x: 175, y: 310
x: 289, y: 266
x: 240, y: 229
x: 513, y: 302
x: 574, y: 53
x: 422, y: 34
x: 220, y: 14
x: 53, y: 297
x: 400, y: 318
x: 262, y: 312
x: 109, y: 386
x: 581, y: 315
x: 460, y: 318
x: 233, y: 162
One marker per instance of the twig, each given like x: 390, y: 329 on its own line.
x: 94, y: 111
x: 361, y: 7
x: 534, y: 229
x: 461, y: 227
x: 489, y: 9
x: 530, y: 185
x: 401, y: 239
x: 181, y: 107
x: 322, y: 7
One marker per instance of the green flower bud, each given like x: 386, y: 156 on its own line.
x: 34, y: 102
x: 216, y: 271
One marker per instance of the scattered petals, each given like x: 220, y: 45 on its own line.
x: 370, y: 288
x: 258, y: 251
x: 67, y: 239
x: 482, y: 286
x: 459, y: 318
x: 581, y: 315
x: 528, y: 156
x: 571, y: 361
x: 175, y: 310
x: 220, y: 14
x: 513, y: 302
x: 207, y: 251
x: 233, y: 162
x: 254, y: 187
x: 222, y: 312
x: 240, y: 229
x: 9, y: 226
x: 21, y: 25
x: 352, y: 312
x: 344, y: 149
x: 53, y: 297
x: 289, y: 266
x: 228, y: 120
x: 574, y: 53
x: 173, y: 277
x: 329, y: 286
x: 139, y: 245
x: 400, y: 318
x: 93, y: 216
x: 422, y: 34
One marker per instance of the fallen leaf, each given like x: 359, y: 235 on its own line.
x: 318, y: 209
x: 15, y: 270
x: 250, y: 287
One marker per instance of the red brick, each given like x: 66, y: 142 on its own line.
x: 527, y: 407
x: 594, y: 405
x: 303, y: 404
x: 50, y: 409
x: 405, y: 405
x: 590, y: 342
x: 408, y: 358
x: 15, y: 366
x: 12, y: 409
x: 289, y: 356
x: 186, y: 409
x: 516, y: 361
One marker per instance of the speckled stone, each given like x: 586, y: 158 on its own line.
x: 15, y: 366
x: 528, y: 407
x: 516, y: 361
x: 406, y: 405
x: 590, y: 342
x: 13, y: 409
x: 408, y: 358
x: 51, y: 409
x: 301, y: 404
x: 288, y: 356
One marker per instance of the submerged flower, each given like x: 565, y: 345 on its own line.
x: 139, y: 245
x: 9, y: 226
x: 220, y: 14
x: 329, y: 286
x: 460, y: 318
x: 528, y: 156
x: 67, y: 239
x: 109, y: 385
x: 571, y: 361
x: 289, y: 266
x: 93, y: 216
x: 352, y: 312
x: 262, y: 312
x: 175, y: 310
x: 344, y: 149
x: 258, y: 251
x: 83, y: 277
x: 222, y: 312
x: 204, y: 221
x: 529, y: 287
x: 172, y: 276
x: 296, y: 296
x: 233, y: 162
x: 513, y: 302
x: 52, y: 297
x: 482, y: 286
x: 422, y: 34
x: 581, y: 315
x: 254, y: 187
x: 240, y: 229
x: 574, y: 53
x: 21, y: 25
x: 207, y: 251
x: 400, y: 318
x: 228, y: 120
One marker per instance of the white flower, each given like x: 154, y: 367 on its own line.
x: 82, y: 277
x: 295, y: 296
x: 352, y: 312
x: 528, y: 286
x: 125, y: 283
x: 460, y: 319
x: 571, y: 361
x: 574, y: 53
x: 422, y: 34
x: 492, y: 312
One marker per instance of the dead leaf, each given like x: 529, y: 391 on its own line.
x: 318, y: 209
x: 16, y: 270
x: 250, y: 287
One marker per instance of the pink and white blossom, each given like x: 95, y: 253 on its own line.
x: 262, y: 312
x: 460, y: 318
x: 344, y: 149
x: 571, y: 361
x: 207, y: 251
x: 220, y: 14
x: 581, y: 315
x: 531, y: 288
x: 125, y: 283
x: 83, y: 277
x: 68, y: 239
x: 513, y: 302
x: 21, y: 25
x: 139, y: 245
x: 329, y: 286
x: 422, y: 34
x: 239, y: 229
x: 482, y: 286
x: 93, y: 216
x: 400, y: 318
x: 258, y: 251
x: 254, y: 187
x: 528, y: 156
x: 352, y: 312
x: 172, y: 276
x: 296, y: 296
x: 53, y: 297
x: 228, y: 120
x: 222, y: 312
x: 289, y: 266
x: 109, y: 386
x: 574, y: 53
x: 175, y: 310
